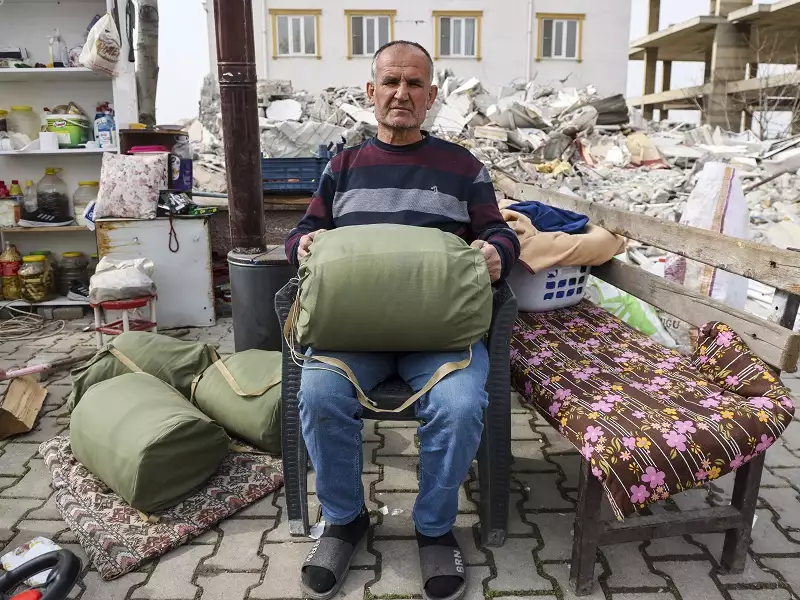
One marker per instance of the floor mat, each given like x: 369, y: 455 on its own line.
x: 118, y: 538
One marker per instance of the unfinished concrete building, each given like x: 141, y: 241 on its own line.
x: 749, y: 52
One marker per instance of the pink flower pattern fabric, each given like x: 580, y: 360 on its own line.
x: 129, y: 185
x: 651, y: 422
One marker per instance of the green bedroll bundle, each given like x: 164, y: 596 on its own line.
x: 394, y: 288
x: 145, y: 441
x: 176, y: 362
x: 243, y: 394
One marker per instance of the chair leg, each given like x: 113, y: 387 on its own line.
x: 494, y: 480
x: 588, y: 528
x: 745, y: 498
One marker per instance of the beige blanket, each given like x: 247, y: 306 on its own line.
x: 542, y: 250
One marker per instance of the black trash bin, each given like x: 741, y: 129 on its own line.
x: 255, y: 279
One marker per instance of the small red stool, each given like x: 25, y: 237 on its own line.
x: 126, y: 323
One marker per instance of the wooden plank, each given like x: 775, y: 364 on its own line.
x: 706, y: 520
x: 776, y: 345
x: 770, y: 265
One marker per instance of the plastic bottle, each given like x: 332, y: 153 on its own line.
x: 23, y: 119
x: 29, y: 197
x: 10, y: 263
x: 16, y: 195
x: 180, y: 166
x: 103, y: 128
x: 83, y: 196
x: 59, y: 54
x: 51, y: 193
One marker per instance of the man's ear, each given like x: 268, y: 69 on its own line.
x: 371, y: 92
x: 432, y: 95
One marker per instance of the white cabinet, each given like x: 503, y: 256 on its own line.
x: 183, y: 277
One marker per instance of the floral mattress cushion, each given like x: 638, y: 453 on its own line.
x: 652, y: 422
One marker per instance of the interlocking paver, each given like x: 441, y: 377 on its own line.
x: 521, y: 428
x: 516, y: 569
x: 35, y: 483
x: 768, y: 539
x: 752, y: 574
x: 262, y: 508
x: 778, y: 594
x: 628, y: 567
x: 14, y: 458
x: 224, y: 586
x: 555, y: 530
x: 543, y: 493
x: 786, y: 502
x: 12, y: 510
x: 692, y: 579
x: 672, y: 546
x: 172, y: 577
x: 398, y: 442
x: 98, y: 589
x: 238, y: 550
x: 283, y: 570
x: 46, y: 429
x: 399, y: 473
x: 787, y: 567
x: 779, y: 456
x: 560, y: 572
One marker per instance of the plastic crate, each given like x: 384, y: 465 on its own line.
x: 292, y: 175
x: 557, y: 287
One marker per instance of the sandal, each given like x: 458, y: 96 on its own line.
x: 332, y: 554
x: 436, y: 561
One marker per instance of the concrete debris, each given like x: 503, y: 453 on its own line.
x: 562, y: 139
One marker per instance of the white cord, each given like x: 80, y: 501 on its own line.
x: 27, y: 326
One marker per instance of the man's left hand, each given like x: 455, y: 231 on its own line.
x: 492, y: 258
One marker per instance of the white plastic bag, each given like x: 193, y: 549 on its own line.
x: 717, y: 203
x: 121, y: 280
x: 102, y: 48
x: 38, y: 546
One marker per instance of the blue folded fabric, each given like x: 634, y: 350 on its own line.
x: 549, y: 218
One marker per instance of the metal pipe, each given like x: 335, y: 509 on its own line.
x: 236, y: 66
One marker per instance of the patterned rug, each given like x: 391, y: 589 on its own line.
x: 118, y: 538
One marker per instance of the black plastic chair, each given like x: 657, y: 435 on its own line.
x: 494, y: 454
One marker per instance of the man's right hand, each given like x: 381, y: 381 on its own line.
x: 304, y: 247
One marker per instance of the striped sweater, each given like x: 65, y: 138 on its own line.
x: 431, y: 183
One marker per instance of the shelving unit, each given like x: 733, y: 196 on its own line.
x: 60, y: 152
x: 59, y: 301
x: 13, y: 75
x: 28, y: 24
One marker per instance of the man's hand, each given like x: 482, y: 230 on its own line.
x: 490, y: 255
x: 304, y: 247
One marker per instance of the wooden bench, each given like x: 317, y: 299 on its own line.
x: 771, y: 340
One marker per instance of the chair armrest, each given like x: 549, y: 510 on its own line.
x: 504, y: 314
x: 290, y: 386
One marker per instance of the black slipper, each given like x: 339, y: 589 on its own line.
x: 438, y: 561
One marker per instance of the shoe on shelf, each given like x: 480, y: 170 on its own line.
x: 78, y: 292
x: 43, y: 218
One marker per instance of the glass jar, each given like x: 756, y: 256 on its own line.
x: 23, y: 119
x: 51, y: 194
x: 83, y: 196
x: 73, y: 268
x: 32, y: 279
x: 91, y: 266
x: 3, y: 120
x: 51, y: 268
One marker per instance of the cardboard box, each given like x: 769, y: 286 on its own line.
x: 20, y: 406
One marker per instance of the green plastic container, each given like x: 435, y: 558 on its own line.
x: 72, y: 130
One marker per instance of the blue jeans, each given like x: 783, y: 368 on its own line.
x: 452, y: 423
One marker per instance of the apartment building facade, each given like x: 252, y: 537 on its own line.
x: 323, y: 43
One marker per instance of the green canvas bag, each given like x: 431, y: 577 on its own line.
x: 145, y: 441
x: 394, y: 288
x: 176, y: 362
x: 243, y: 394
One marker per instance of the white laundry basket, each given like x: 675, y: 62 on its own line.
x: 556, y: 287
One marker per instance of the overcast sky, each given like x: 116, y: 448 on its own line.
x: 183, y: 56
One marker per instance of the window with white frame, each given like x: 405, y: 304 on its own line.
x: 368, y: 32
x: 296, y: 34
x: 458, y: 35
x: 560, y: 37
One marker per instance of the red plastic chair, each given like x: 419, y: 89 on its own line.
x: 126, y: 323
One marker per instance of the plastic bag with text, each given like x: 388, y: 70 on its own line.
x: 718, y: 204
x: 121, y: 280
x: 102, y: 48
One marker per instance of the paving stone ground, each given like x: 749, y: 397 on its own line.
x: 252, y: 555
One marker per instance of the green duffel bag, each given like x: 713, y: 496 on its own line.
x: 396, y: 288
x: 176, y: 362
x: 243, y: 394
x: 145, y: 441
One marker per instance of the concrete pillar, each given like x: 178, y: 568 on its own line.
x: 653, y: 16
x: 666, y: 76
x: 650, y: 62
x: 729, y: 59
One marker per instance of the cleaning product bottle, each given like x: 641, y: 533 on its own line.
x: 180, y: 165
x: 113, y: 125
x: 103, y: 133
x: 16, y: 195
x: 29, y: 197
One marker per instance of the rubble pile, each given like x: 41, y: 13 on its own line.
x: 564, y: 139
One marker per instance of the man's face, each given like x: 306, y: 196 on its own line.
x: 402, y: 92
